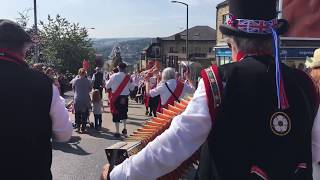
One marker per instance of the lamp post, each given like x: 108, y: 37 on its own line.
x: 187, y: 39
x: 36, y: 28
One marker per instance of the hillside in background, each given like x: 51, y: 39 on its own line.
x: 130, y: 47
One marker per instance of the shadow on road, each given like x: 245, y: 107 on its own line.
x: 130, y: 114
x: 104, y: 133
x: 134, y: 107
x: 71, y: 147
x: 135, y: 123
x: 139, y: 119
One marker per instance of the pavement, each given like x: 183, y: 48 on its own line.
x: 83, y: 157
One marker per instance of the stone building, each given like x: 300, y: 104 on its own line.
x: 222, y: 51
x: 171, y: 51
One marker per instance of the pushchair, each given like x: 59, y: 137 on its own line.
x: 77, y: 125
x: 83, y: 124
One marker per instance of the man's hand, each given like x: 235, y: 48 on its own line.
x: 105, y: 172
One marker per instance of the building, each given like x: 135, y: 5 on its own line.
x: 222, y: 51
x: 150, y: 53
x: 293, y: 51
x: 171, y: 51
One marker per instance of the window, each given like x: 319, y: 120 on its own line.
x: 157, y: 52
x: 197, y: 50
x: 171, y: 50
x: 225, y: 18
x: 210, y: 50
x: 184, y: 49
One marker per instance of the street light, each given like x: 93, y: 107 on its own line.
x: 187, y: 49
x: 36, y: 27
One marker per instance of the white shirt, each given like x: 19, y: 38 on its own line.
x: 186, y: 134
x: 61, y: 124
x: 153, y: 82
x: 115, y: 80
x: 135, y: 79
x: 164, y: 92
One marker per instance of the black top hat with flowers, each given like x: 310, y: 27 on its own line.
x: 253, y: 18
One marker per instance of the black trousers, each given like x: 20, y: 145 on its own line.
x: 153, y: 105
x: 133, y: 93
x: 97, y: 121
x: 81, y: 119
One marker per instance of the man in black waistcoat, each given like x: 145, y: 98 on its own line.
x: 255, y: 118
x: 98, y: 81
x: 32, y: 111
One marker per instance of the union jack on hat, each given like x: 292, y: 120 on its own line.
x: 253, y: 18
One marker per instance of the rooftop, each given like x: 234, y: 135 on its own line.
x: 197, y: 33
x: 226, y: 2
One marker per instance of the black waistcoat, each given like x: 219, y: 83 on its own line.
x: 242, y: 137
x: 98, y: 80
x: 26, y: 128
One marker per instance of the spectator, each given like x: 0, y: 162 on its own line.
x: 313, y: 64
x: 82, y: 103
x: 32, y: 111
x: 97, y: 109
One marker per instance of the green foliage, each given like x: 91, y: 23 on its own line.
x: 64, y: 44
x: 23, y: 21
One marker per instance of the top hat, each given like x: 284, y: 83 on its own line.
x: 12, y: 35
x: 314, y: 62
x: 253, y: 18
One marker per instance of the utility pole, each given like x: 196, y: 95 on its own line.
x: 36, y: 29
x: 187, y: 39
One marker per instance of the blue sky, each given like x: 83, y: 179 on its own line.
x: 120, y: 18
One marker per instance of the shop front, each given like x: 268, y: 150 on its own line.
x: 223, y: 55
x: 296, y: 56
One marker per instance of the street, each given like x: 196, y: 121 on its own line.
x: 83, y: 157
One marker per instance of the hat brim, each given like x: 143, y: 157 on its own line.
x: 282, y: 28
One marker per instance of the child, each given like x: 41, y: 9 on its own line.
x: 97, y: 108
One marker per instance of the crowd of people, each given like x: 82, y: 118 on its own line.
x: 61, y: 80
x: 155, y: 92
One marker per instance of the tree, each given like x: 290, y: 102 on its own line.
x: 23, y: 21
x: 64, y: 44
